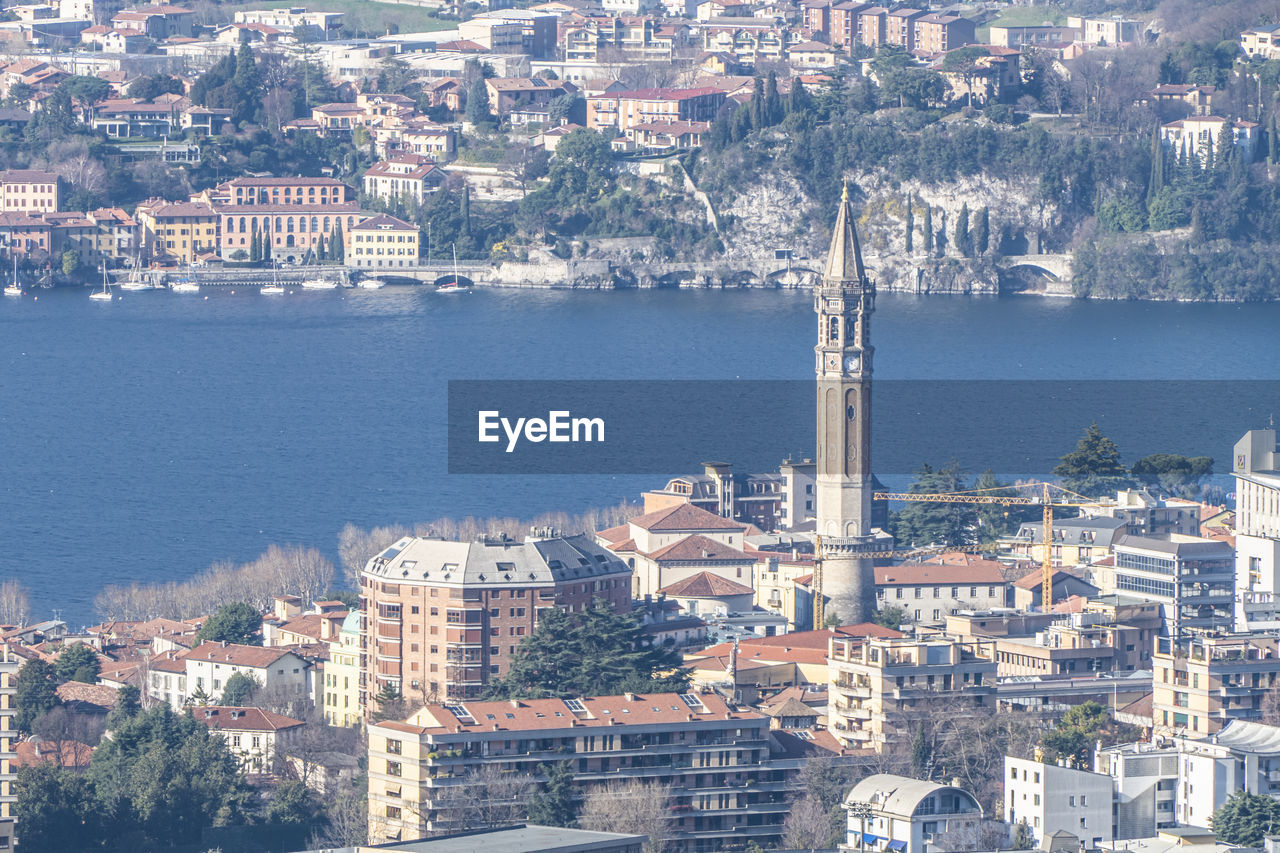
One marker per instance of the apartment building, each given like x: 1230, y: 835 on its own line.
x: 441, y: 618
x: 177, y: 231
x: 906, y: 815
x: 879, y: 685
x: 383, y: 242
x: 1200, y: 684
x: 10, y: 663
x: 340, y: 697
x: 252, y: 734
x: 281, y: 672
x: 28, y: 191
x: 1043, y: 35
x: 1145, y: 777
x: 929, y: 592
x: 1256, y: 470
x: 726, y: 786
x: 507, y: 94
x: 1193, y: 579
x: 290, y: 216
x: 403, y: 177
x: 1048, y: 799
x: 1145, y: 514
x: 622, y: 110
x: 936, y: 33
x: 900, y: 28
x: 1076, y: 541
x: 317, y: 25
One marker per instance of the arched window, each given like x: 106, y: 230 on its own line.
x: 290, y: 225
x: 279, y: 224
x: 326, y: 224
x: 241, y: 224
x: 315, y: 223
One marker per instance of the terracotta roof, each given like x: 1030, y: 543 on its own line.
x: 1033, y: 580
x: 705, y: 585
x: 91, y: 694
x: 791, y: 707
x: 684, y: 517
x: 283, y: 182
x: 383, y: 222
x: 68, y: 753
x: 926, y: 574
x: 662, y: 94
x: 237, y: 655
x: 614, y: 534
x: 699, y: 548
x: 817, y: 742
x: 1140, y: 707
x: 27, y: 176
x: 243, y: 719
x: 623, y: 546
x: 603, y: 711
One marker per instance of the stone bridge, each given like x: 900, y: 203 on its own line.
x: 1055, y: 266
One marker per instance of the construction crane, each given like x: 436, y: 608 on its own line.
x: 1044, y: 498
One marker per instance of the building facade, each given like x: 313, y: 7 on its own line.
x: 904, y: 815
x: 1202, y: 683
x: 1048, y: 798
x: 28, y: 191
x: 1193, y: 579
x: 382, y: 242
x: 343, y: 675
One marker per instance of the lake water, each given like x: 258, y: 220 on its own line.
x: 145, y: 438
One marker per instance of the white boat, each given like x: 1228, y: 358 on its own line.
x: 274, y: 286
x: 371, y: 283
x: 184, y: 287
x: 134, y: 281
x: 319, y: 284
x: 453, y: 285
x: 13, y: 288
x: 104, y: 294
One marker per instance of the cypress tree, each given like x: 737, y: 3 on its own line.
x: 757, y: 105
x: 1157, y: 164
x: 255, y: 248
x: 982, y: 232
x: 962, y: 231
x: 1226, y: 147
x: 466, y: 211
x: 927, y: 227
x: 772, y: 100
x: 1197, y: 226
x: 337, y: 246
x: 266, y: 244
x: 1271, y: 143
x: 911, y: 220
x: 797, y: 100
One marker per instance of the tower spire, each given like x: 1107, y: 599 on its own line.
x: 844, y: 260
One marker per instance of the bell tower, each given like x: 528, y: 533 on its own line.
x: 844, y: 301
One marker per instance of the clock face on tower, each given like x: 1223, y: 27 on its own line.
x: 852, y: 363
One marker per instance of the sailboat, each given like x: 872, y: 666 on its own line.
x: 135, y: 280
x: 13, y: 288
x: 274, y: 286
x: 319, y: 284
x: 453, y: 285
x: 104, y: 294
x: 186, y: 284
x: 371, y: 283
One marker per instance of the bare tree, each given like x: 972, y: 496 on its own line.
x: 980, y: 835
x: 356, y: 547
x: 808, y: 825
x: 15, y: 603
x: 488, y: 797
x: 635, y: 806
x: 348, y: 820
x: 70, y: 160
x: 69, y: 733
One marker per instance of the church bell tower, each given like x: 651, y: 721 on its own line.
x: 844, y: 300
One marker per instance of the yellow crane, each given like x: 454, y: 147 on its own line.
x: 1045, y: 497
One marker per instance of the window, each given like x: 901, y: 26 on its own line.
x: 393, y: 812
x: 394, y: 768
x: 393, y: 746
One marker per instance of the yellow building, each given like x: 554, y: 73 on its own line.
x: 342, y: 676
x: 178, y: 230
x: 383, y: 241
x: 1200, y: 685
x: 9, y: 665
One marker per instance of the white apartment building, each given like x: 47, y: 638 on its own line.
x: 904, y: 815
x: 403, y: 177
x: 1049, y: 799
x: 1198, y: 136
x: 252, y: 734
x: 1255, y: 462
x: 1146, y: 781
x: 279, y: 671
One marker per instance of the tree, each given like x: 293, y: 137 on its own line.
x: 239, y: 689
x: 87, y: 90
x: 773, y: 111
x: 921, y: 523
x: 487, y: 796
x: 982, y: 231
x: 152, y: 86
x: 1081, y: 728
x: 128, y: 705
x: 891, y: 616
x: 78, y: 662
x: 817, y: 817
x: 478, y: 109
x: 910, y: 226
x: 994, y: 520
x: 555, y: 802
x: 1245, y: 819
x: 1173, y: 473
x: 337, y: 245
x: 293, y: 805
x: 807, y: 825
x: 583, y: 168
x: 56, y: 809
x: 593, y: 653
x: 1093, y: 469
x: 1156, y: 182
x: 635, y: 806
x: 233, y: 623
x: 963, y: 243
x: 926, y: 228
x: 34, y: 692
x: 15, y: 603
x: 70, y: 262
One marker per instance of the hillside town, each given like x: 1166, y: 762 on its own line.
x: 796, y: 659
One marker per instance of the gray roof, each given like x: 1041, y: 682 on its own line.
x: 1245, y: 736
x: 495, y: 560
x: 1071, y: 530
x: 1189, y: 547
x: 516, y: 839
x: 897, y: 795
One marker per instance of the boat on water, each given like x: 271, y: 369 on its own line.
x: 453, y: 285
x: 184, y: 287
x: 13, y: 288
x: 371, y: 283
x: 103, y: 295
x: 135, y: 281
x: 319, y: 284
x: 274, y: 287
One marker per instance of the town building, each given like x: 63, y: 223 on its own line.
x: 291, y: 217
x: 620, y: 111
x: 442, y: 618
x: 28, y: 191
x: 1145, y: 514
x: 905, y: 815
x: 1029, y: 589
x: 341, y: 702
x: 10, y: 663
x: 382, y: 242
x: 406, y: 177
x: 510, y: 93
x: 1048, y: 798
x: 294, y: 19
x: 1199, y: 138
x: 1106, y: 31
x: 726, y: 785
x: 1179, y: 100
x: 1076, y: 541
x: 176, y: 231
x: 1193, y: 579
x: 280, y: 672
x: 254, y: 735
x: 1039, y: 35
x: 929, y: 592
x: 784, y: 584
x: 878, y: 686
x: 1202, y: 683
x: 1145, y: 777
x: 1257, y: 527
x: 674, y: 543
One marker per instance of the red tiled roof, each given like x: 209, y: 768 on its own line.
x: 237, y: 655
x: 705, y: 585
x: 243, y: 719
x: 684, y: 516
x: 68, y: 753
x: 698, y: 548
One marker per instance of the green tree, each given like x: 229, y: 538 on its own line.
x: 128, y: 705
x: 921, y: 523
x: 337, y: 244
x: 582, y: 170
x: 1093, y: 469
x: 773, y: 111
x: 1173, y: 473
x: 391, y: 704
x: 593, y: 653
x: 1245, y: 819
x: 56, y: 809
x: 87, y: 90
x: 1156, y: 182
x: 238, y: 622
x: 890, y: 616
x: 293, y: 804
x: 926, y: 228
x: 963, y: 242
x: 78, y: 662
x: 1081, y: 728
x: 152, y: 86
x: 982, y: 231
x: 478, y: 109
x: 239, y: 689
x: 910, y: 226
x: 34, y: 692
x: 70, y: 262
x: 995, y: 520
x: 555, y: 803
